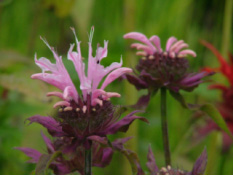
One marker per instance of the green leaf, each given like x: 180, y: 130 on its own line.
x: 212, y: 154
x: 213, y: 113
x: 177, y: 96
x: 45, y: 161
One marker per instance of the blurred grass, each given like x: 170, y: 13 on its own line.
x: 21, y: 24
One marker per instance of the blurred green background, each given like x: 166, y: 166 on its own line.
x: 23, y: 21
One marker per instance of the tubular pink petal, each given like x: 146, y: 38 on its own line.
x: 146, y: 49
x: 114, y: 75
x: 170, y: 41
x: 97, y: 101
x: 61, y: 103
x: 181, y: 46
x: 188, y: 52
x: 156, y: 40
x: 111, y: 94
x: 174, y: 46
x: 141, y: 53
x: 68, y: 93
x: 136, y: 45
x: 172, y: 54
x: 97, y: 93
x: 57, y: 94
x: 140, y: 37
x: 143, y: 47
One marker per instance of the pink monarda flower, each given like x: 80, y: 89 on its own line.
x: 163, y: 68
x: 85, y: 119
x: 198, y: 168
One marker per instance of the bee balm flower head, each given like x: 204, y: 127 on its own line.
x: 163, y: 68
x: 89, y: 113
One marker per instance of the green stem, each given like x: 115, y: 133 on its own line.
x: 88, y: 161
x: 164, y: 127
x: 227, y: 23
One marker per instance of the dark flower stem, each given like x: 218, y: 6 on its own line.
x: 164, y: 127
x: 88, y: 160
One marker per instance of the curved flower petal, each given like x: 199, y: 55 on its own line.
x: 76, y: 58
x: 139, y: 83
x: 188, y: 52
x: 156, y: 40
x: 99, y: 72
x: 151, y: 164
x: 58, y: 77
x: 61, y: 103
x: 140, y: 37
x: 48, y: 143
x: 57, y: 94
x: 102, y: 52
x: 200, y: 165
x: 32, y: 153
x: 50, y: 123
x: 124, y: 123
x: 112, y: 94
x: 114, y: 75
x: 170, y: 41
x: 175, y: 45
x: 98, y: 92
x: 181, y: 46
x: 106, y: 158
x: 143, y: 47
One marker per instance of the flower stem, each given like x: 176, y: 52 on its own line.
x: 88, y: 161
x: 164, y: 127
x: 227, y: 26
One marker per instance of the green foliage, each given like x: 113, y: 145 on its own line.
x: 213, y: 113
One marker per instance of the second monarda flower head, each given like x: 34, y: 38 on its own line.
x: 159, y: 68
